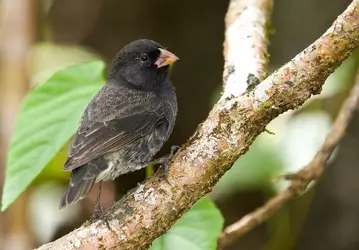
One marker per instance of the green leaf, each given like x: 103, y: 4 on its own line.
x: 48, y: 118
x: 198, y: 229
x: 54, y: 169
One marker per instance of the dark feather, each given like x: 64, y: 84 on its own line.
x: 109, y: 137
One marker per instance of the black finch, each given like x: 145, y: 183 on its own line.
x: 126, y: 123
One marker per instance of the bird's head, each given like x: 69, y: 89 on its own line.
x: 142, y: 63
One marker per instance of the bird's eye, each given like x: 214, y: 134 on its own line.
x: 144, y: 57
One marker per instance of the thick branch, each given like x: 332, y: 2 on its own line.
x: 300, y: 180
x: 232, y: 125
x: 245, y: 45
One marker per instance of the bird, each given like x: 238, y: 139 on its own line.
x: 126, y: 123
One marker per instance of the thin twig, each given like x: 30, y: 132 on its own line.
x: 299, y: 180
x: 234, y: 122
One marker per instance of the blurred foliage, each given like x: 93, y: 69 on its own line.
x: 48, y: 118
x: 46, y: 58
x: 198, y: 229
x: 303, y: 136
x: 253, y: 170
x: 43, y: 212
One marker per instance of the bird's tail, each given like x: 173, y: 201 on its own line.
x: 78, y: 188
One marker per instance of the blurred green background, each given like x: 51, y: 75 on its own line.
x: 40, y: 37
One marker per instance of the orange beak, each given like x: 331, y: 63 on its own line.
x: 165, y: 58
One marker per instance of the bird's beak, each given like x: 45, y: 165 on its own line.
x: 165, y: 58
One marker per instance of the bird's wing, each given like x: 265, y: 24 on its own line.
x: 100, y: 138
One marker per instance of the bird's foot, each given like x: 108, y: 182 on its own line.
x: 98, y: 212
x: 166, y: 170
x: 165, y: 160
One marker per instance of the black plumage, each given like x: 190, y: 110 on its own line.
x: 127, y: 122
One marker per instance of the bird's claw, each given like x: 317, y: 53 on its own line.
x: 165, y: 159
x: 174, y: 149
x: 98, y: 212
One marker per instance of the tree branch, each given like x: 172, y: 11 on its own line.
x: 148, y: 211
x: 245, y: 45
x: 300, y: 180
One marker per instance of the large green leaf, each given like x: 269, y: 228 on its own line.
x: 48, y: 118
x: 198, y: 229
